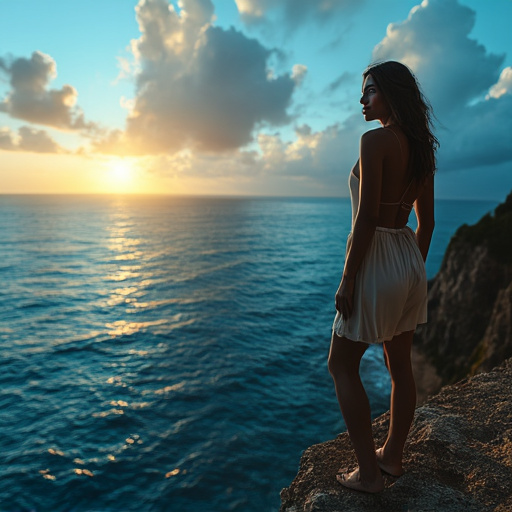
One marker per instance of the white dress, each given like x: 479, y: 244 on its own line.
x: 390, y: 294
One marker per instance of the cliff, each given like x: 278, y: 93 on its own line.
x: 470, y: 304
x: 458, y: 457
x: 459, y: 453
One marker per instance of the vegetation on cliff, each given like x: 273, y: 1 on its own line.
x: 493, y: 231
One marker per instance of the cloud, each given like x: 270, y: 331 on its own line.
x: 457, y: 73
x: 344, y: 78
x: 7, y: 139
x: 299, y: 72
x: 314, y: 154
x: 199, y: 86
x: 293, y: 12
x: 480, y: 136
x: 503, y: 86
x: 310, y: 164
x: 31, y: 100
x: 434, y: 41
x: 203, y: 93
x: 461, y: 79
x: 28, y: 139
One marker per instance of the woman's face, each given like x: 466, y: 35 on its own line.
x: 375, y: 106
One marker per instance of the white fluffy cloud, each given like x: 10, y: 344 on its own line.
x: 293, y: 12
x: 207, y: 103
x: 472, y: 101
x: 28, y: 139
x: 459, y: 77
x: 503, y: 86
x: 462, y: 80
x: 199, y: 86
x: 204, y: 92
x: 30, y: 98
x: 318, y: 155
x: 434, y: 41
x: 312, y: 163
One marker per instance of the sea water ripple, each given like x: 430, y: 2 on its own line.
x: 168, y: 354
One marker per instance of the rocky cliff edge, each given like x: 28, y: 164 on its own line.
x: 469, y: 326
x: 459, y: 453
x: 458, y: 457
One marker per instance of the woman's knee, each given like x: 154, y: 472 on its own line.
x: 339, y: 371
x: 335, y: 359
x: 333, y: 366
x: 400, y: 369
x: 344, y: 357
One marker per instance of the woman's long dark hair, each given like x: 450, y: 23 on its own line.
x: 411, y: 111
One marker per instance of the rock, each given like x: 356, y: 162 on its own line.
x: 496, y: 345
x: 428, y: 382
x: 470, y: 305
x: 458, y: 457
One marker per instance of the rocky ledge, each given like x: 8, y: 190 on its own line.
x: 458, y: 457
x: 459, y: 453
x: 469, y: 326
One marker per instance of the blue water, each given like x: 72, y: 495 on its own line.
x: 169, y: 354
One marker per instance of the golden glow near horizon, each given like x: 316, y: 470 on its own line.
x: 69, y: 126
x: 122, y: 171
x: 120, y: 175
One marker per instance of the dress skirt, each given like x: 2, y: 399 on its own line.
x: 390, y: 294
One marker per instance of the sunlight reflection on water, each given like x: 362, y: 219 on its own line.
x: 168, y: 346
x: 122, y: 327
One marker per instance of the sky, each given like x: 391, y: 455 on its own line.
x: 242, y: 97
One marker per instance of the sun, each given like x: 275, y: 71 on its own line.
x: 120, y: 175
x: 121, y: 171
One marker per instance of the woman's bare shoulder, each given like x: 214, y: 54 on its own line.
x: 378, y: 137
x: 379, y: 133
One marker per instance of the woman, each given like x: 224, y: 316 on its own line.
x: 382, y: 296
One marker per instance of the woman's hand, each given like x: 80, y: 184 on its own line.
x: 344, y: 298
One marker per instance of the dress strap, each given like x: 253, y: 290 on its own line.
x: 401, y: 202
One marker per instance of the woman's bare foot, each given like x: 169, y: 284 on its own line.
x: 353, y: 481
x: 395, y: 470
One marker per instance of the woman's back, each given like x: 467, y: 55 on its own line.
x: 398, y: 189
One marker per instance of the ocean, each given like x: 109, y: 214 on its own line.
x: 169, y: 353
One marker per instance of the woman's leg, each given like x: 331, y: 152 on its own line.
x: 397, y: 354
x: 344, y: 360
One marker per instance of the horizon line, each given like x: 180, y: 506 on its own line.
x: 215, y: 196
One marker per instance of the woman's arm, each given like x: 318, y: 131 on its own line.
x: 424, y: 207
x: 371, y: 159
